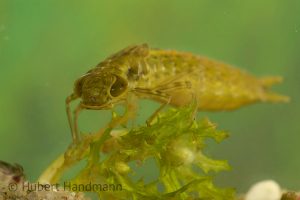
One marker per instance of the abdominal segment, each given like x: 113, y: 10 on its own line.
x: 217, y: 87
x: 182, y: 77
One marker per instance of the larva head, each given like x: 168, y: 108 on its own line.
x: 100, y: 90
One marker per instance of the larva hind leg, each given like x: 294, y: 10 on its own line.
x: 77, y: 110
x: 172, y: 92
x: 193, y: 102
x: 155, y: 114
x: 159, y: 96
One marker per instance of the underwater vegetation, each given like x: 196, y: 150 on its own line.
x: 176, y: 142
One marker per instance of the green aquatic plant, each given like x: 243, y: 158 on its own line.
x: 175, y: 140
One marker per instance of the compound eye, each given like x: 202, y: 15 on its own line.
x: 79, y: 84
x: 119, y: 87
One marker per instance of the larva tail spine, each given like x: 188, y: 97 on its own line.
x: 275, y: 98
x: 269, y: 81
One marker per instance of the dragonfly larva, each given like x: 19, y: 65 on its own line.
x: 170, y: 77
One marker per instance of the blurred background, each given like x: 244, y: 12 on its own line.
x: 45, y: 45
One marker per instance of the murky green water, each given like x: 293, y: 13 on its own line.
x: 46, y: 45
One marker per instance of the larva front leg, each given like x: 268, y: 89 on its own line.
x: 68, y: 101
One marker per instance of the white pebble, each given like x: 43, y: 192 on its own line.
x: 264, y: 190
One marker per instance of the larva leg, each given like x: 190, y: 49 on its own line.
x: 162, y: 93
x: 152, y: 117
x: 130, y: 112
x: 195, y: 103
x: 159, y: 96
x: 119, y: 120
x: 69, y: 99
x: 76, y: 114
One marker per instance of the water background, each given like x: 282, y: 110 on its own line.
x: 45, y: 45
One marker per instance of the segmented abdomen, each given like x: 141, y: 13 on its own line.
x: 216, y: 86
x: 225, y: 88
